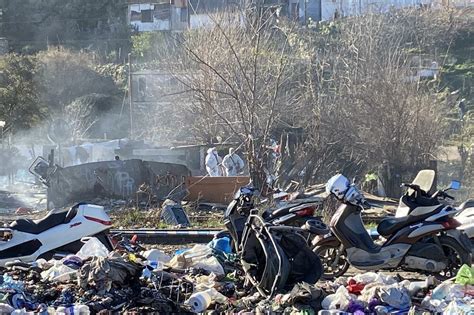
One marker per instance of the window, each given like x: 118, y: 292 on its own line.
x: 147, y: 16
x: 184, y: 15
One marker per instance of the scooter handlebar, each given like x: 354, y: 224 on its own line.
x: 412, y: 186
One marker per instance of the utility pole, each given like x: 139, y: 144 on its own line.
x: 130, y: 93
x: 305, y: 12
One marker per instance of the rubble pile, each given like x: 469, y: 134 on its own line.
x: 209, y: 277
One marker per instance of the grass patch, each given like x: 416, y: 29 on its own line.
x: 133, y: 218
x: 370, y: 225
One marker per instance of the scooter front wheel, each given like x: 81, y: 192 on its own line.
x: 333, y: 260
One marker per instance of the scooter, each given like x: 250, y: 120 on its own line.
x: 466, y: 218
x: 57, y: 234
x: 275, y: 257
x: 423, y: 236
x: 298, y: 213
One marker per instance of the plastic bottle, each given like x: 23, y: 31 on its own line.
x: 441, y: 291
x: 416, y: 286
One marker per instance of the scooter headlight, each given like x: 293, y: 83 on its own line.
x: 337, y: 185
x: 354, y: 196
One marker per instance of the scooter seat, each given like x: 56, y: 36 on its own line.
x: 466, y: 204
x: 390, y: 225
x: 280, y: 211
x: 41, y: 225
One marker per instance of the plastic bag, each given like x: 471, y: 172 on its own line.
x: 372, y: 277
x: 339, y: 300
x: 465, y: 275
x: 59, y: 272
x: 370, y: 292
x: 200, y: 256
x: 156, y: 255
x: 457, y: 307
x: 222, y: 244
x: 433, y: 305
x: 395, y: 296
x: 448, y: 291
x: 441, y: 291
x: 93, y: 247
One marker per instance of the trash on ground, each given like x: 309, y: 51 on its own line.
x: 210, y: 277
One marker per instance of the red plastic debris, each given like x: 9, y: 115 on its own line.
x: 354, y: 287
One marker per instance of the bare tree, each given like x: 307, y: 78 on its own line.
x: 338, y: 97
x: 240, y: 75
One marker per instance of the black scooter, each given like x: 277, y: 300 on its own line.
x: 297, y: 213
x: 273, y: 249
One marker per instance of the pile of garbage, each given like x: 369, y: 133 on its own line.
x: 209, y: 277
x: 376, y: 293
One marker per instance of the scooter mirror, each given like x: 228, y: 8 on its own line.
x: 454, y: 185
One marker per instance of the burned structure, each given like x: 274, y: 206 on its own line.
x: 109, y: 179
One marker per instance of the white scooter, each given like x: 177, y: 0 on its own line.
x: 58, y: 233
x: 466, y: 218
x: 423, y: 236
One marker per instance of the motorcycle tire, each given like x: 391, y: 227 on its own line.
x: 457, y: 256
x: 327, y: 254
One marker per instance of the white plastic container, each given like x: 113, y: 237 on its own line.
x: 200, y: 301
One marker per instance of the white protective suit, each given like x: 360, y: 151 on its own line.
x: 233, y: 164
x: 213, y: 163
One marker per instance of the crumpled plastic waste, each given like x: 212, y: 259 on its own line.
x: 200, y: 256
x: 59, y: 272
x: 356, y: 308
x: 395, y: 296
x: 92, y: 248
x: 221, y: 244
x: 337, y: 301
x: 372, y: 277
x: 370, y: 292
x: 465, y: 275
x: 457, y: 307
x: 204, y: 282
x: 303, y: 293
x: 156, y: 255
x: 354, y: 287
x: 7, y: 283
x: 206, y: 278
x: 447, y: 291
x: 73, y: 262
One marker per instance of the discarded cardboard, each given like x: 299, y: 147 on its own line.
x: 214, y: 189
